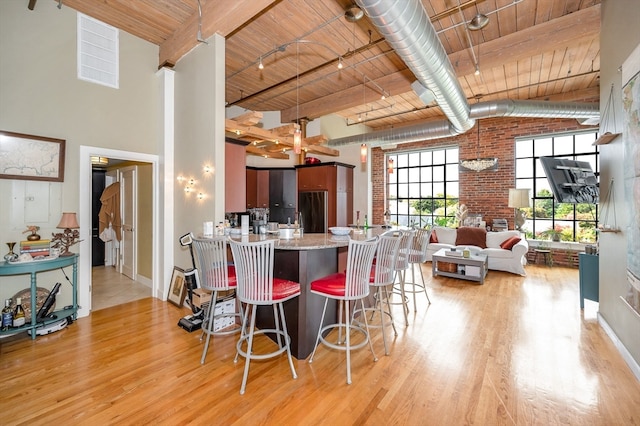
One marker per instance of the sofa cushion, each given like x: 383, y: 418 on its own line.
x: 433, y: 238
x: 494, y: 239
x: 446, y: 235
x: 510, y: 242
x: 472, y: 236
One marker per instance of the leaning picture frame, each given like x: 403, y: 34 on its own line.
x: 176, y: 287
x: 30, y: 157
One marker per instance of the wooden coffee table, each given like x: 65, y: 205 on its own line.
x: 472, y: 268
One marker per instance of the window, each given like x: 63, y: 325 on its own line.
x: 571, y: 222
x: 423, y: 189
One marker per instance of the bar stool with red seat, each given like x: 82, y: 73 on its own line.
x: 417, y: 255
x: 347, y: 287
x: 402, y: 264
x: 256, y: 286
x: 382, y: 277
x: 216, y: 275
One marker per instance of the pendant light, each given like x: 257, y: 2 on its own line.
x: 363, y: 153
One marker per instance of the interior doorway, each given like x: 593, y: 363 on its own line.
x: 85, y: 279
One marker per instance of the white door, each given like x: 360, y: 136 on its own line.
x: 128, y: 207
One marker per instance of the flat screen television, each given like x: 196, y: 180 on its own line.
x: 571, y: 181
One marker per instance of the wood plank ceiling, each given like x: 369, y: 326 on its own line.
x: 530, y: 49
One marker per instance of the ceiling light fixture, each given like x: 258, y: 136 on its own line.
x: 101, y: 161
x: 340, y: 64
x: 478, y: 22
x: 466, y: 31
x: 199, y: 35
x: 353, y: 14
x: 260, y: 65
x: 478, y: 164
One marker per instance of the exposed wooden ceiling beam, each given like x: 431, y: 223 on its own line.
x: 557, y: 34
x: 222, y: 17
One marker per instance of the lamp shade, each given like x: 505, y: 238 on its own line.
x: 519, y: 197
x: 363, y: 153
x: 69, y: 220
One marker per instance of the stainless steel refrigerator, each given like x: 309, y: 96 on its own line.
x: 314, y: 206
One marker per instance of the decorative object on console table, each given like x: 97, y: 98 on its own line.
x: 11, y: 256
x: 519, y: 198
x: 67, y: 238
x: 34, y: 233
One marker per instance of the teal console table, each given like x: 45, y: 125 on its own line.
x: 32, y: 268
x: 589, y: 277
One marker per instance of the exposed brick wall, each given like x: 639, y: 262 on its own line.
x: 486, y: 193
x: 560, y: 257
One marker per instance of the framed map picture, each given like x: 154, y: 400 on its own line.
x: 31, y: 157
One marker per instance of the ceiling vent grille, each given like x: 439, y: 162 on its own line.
x: 97, y: 52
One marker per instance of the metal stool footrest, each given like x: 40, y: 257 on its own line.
x: 267, y: 355
x: 340, y: 345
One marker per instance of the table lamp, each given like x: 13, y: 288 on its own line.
x: 519, y: 198
x: 65, y: 239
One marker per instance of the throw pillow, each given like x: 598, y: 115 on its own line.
x: 445, y: 235
x: 509, y: 243
x: 471, y: 236
x: 433, y: 238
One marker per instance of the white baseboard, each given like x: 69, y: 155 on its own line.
x: 633, y: 365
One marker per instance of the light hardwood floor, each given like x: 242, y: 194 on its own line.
x: 515, y: 351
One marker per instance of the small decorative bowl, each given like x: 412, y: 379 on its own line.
x: 340, y: 230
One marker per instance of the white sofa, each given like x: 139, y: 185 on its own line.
x: 500, y: 259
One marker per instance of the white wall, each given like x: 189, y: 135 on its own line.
x: 620, y: 35
x: 199, y: 140
x: 40, y: 95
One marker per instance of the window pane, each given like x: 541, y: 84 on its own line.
x: 575, y: 222
x: 543, y: 147
x: 524, y: 148
x: 563, y: 145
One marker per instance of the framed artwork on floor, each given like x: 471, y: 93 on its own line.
x: 176, y: 287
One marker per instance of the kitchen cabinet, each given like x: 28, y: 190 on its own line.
x: 282, y: 195
x: 257, y: 188
x: 337, y: 180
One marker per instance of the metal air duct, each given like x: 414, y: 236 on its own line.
x: 406, y: 26
x: 443, y: 129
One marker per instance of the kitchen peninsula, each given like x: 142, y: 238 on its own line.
x: 303, y: 260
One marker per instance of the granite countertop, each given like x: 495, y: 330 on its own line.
x: 312, y: 241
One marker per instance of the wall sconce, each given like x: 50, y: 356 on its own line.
x: 187, y: 189
x: 65, y: 239
x: 200, y: 196
x: 180, y: 178
x: 363, y: 153
x: 390, y: 166
x: 207, y: 169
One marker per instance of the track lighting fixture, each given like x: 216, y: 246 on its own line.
x: 260, y: 65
